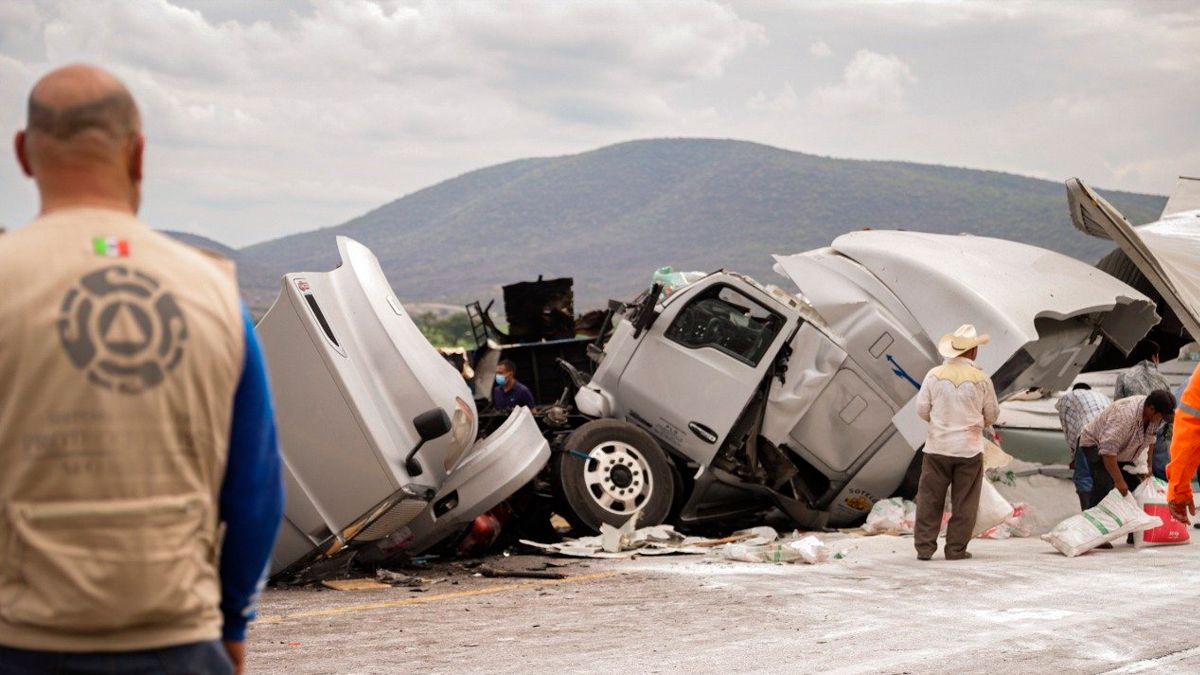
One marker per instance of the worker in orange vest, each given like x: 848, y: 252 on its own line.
x: 1185, y: 452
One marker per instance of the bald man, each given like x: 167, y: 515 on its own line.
x: 140, y: 492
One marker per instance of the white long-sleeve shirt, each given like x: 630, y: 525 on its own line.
x: 958, y: 401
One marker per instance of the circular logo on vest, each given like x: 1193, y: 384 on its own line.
x: 122, y: 328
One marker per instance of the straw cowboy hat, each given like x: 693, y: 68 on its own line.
x: 961, y: 341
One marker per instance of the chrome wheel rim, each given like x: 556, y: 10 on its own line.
x: 617, y: 477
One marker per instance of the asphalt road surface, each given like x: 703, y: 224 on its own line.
x: 1018, y: 607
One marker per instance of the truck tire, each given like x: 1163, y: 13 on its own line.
x: 609, y: 470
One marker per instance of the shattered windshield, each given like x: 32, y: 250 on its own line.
x: 729, y: 322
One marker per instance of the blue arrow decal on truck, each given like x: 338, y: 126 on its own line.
x: 901, y: 372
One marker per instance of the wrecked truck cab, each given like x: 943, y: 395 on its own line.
x: 807, y: 400
x: 359, y: 393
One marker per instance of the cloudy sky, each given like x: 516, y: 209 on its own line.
x: 267, y: 118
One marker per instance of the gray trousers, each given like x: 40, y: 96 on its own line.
x: 963, y: 476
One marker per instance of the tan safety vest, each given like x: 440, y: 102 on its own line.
x: 120, y: 352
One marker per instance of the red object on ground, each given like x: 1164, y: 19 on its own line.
x: 1170, y: 532
x: 484, y: 532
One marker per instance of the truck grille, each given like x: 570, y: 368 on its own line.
x: 393, y: 519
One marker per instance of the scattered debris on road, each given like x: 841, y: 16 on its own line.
x: 399, y: 579
x: 493, y: 572
x: 354, y: 585
x: 759, y: 544
x: 627, y: 541
x: 807, y: 548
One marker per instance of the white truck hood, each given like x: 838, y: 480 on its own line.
x: 349, y: 372
x: 1003, y: 287
x: 1167, y: 251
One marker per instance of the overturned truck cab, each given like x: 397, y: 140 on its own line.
x: 730, y: 394
x: 376, y: 429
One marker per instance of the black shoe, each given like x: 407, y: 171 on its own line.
x: 924, y: 556
x: 1106, y: 545
x: 1196, y: 524
x: 965, y: 555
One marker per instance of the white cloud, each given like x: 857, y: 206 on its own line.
x: 871, y: 83
x: 375, y: 99
x: 783, y: 102
x: 1076, y: 106
x: 820, y: 50
x: 269, y: 118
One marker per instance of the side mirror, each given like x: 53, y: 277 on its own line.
x: 431, y: 424
x: 645, y: 313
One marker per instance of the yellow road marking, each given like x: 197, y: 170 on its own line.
x: 350, y: 609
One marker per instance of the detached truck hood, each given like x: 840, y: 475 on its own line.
x: 350, y: 371
x: 1166, y: 252
x: 1044, y: 311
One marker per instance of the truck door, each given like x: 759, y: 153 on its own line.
x: 699, y: 364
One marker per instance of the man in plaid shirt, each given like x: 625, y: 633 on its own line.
x: 1118, y: 436
x: 1076, y: 409
x: 1139, y: 380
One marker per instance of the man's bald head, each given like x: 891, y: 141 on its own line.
x: 75, y: 103
x: 83, y: 125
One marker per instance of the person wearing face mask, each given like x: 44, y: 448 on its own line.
x: 1118, y: 436
x: 508, y: 392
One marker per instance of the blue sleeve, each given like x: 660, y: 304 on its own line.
x: 525, y: 397
x: 251, y: 494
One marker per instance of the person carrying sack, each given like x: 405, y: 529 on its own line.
x: 1122, y: 435
x: 958, y: 401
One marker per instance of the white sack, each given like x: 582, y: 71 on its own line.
x: 993, y: 509
x: 891, y: 516
x: 1114, y: 517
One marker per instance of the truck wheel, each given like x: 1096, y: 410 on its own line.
x: 607, y: 471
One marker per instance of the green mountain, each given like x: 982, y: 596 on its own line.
x: 205, y: 243
x: 258, y: 292
x: 611, y: 216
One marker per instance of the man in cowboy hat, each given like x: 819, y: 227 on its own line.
x: 958, y: 401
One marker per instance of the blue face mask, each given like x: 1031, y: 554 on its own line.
x: 500, y: 379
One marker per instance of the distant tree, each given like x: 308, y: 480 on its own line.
x: 453, y: 330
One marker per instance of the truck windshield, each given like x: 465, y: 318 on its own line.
x: 728, y: 321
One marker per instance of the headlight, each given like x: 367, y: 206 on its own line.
x: 462, y: 432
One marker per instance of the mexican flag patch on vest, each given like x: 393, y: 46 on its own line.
x: 110, y: 247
